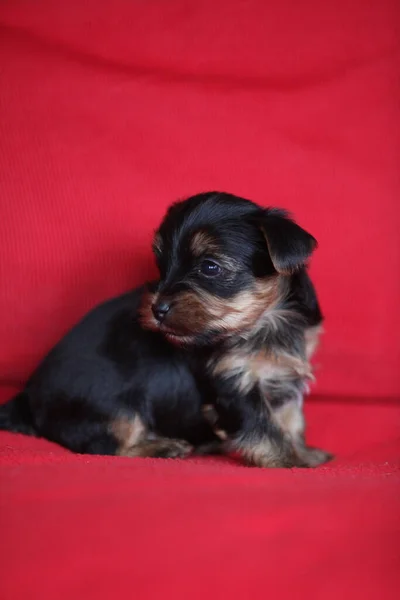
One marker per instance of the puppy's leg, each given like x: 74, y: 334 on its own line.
x: 215, y: 447
x: 290, y: 419
x: 212, y: 439
x: 253, y: 432
x: 158, y: 448
x: 134, y: 440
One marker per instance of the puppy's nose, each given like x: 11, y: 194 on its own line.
x: 160, y: 311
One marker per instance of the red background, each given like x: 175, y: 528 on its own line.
x: 108, y: 112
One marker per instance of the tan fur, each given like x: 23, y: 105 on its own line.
x: 261, y: 454
x: 168, y: 448
x: 276, y: 259
x: 129, y: 432
x: 146, y: 316
x: 312, y: 457
x: 274, y: 318
x: 196, y: 311
x: 240, y: 312
x: 203, y: 243
x: 211, y: 416
x: 149, y: 322
x: 135, y: 440
x: 266, y: 454
x: 243, y: 311
x: 289, y: 417
x: 312, y: 336
x: 258, y: 368
x: 275, y: 262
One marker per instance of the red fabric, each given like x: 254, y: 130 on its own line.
x: 94, y: 527
x: 108, y: 112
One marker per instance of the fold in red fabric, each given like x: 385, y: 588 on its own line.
x: 108, y: 112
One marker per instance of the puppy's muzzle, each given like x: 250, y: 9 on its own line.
x: 160, y: 310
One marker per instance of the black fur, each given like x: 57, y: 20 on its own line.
x: 120, y: 363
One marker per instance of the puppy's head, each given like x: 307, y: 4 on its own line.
x: 223, y: 262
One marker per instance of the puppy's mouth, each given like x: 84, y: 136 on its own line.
x: 168, y: 332
x: 178, y: 339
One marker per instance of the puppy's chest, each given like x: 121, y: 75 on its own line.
x: 247, y: 367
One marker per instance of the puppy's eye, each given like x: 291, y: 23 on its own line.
x: 209, y: 268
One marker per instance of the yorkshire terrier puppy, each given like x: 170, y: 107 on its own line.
x: 214, y: 356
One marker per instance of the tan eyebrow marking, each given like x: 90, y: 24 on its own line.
x: 203, y: 243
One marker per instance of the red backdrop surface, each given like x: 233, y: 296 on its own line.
x: 108, y: 112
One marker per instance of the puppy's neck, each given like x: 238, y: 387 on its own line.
x: 280, y: 324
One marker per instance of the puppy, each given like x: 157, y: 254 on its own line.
x: 214, y: 356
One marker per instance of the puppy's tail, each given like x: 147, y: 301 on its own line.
x: 16, y: 415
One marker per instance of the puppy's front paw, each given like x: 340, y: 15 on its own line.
x: 269, y: 455
x: 313, y: 457
x: 279, y: 462
x: 172, y: 449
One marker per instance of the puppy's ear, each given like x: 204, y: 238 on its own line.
x: 288, y: 244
